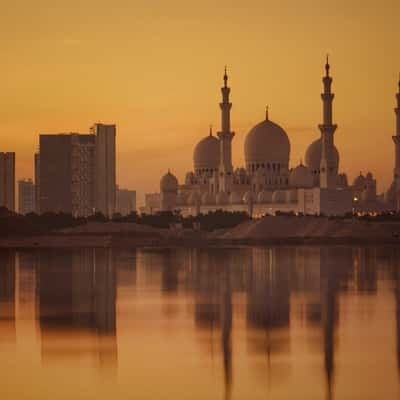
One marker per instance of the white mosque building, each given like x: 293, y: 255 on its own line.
x: 266, y: 184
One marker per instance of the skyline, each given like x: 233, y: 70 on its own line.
x: 161, y: 88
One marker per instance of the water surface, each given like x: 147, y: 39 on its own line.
x: 250, y: 323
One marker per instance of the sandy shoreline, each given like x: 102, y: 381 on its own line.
x: 270, y: 231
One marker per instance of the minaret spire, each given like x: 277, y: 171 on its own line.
x: 327, y: 128
x: 225, y: 136
x: 396, y: 140
x: 267, y: 113
x: 327, y: 66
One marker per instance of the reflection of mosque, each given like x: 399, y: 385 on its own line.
x: 76, y: 293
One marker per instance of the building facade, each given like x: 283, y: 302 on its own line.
x: 26, y: 196
x: 105, y: 165
x: 7, y: 180
x: 66, y: 173
x: 37, y: 182
x: 126, y: 201
x: 266, y: 184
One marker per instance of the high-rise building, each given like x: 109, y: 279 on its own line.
x: 7, y: 180
x: 37, y: 182
x: 66, y: 173
x: 396, y: 140
x: 126, y: 201
x: 105, y: 170
x: 26, y: 196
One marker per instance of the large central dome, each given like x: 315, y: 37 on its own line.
x: 313, y: 156
x: 206, y: 154
x: 267, y: 142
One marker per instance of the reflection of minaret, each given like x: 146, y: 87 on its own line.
x: 327, y: 168
x: 225, y: 137
x: 396, y: 140
x: 7, y: 295
x: 226, y: 326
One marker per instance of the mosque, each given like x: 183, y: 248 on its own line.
x: 266, y: 185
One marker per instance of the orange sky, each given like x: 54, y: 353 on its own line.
x: 154, y: 68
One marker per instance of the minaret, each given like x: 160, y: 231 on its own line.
x: 327, y: 168
x: 225, y: 137
x: 396, y: 140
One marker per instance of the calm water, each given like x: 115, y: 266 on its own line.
x: 255, y: 323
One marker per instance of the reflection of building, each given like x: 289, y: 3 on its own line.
x: 126, y: 201
x: 26, y: 196
x: 28, y: 264
x: 76, y: 297
x: 7, y: 296
x: 7, y: 180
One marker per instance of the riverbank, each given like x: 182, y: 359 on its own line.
x: 281, y: 230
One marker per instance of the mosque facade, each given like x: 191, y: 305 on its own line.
x: 266, y: 184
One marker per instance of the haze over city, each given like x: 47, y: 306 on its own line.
x: 154, y: 69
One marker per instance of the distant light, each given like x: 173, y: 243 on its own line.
x: 355, y: 198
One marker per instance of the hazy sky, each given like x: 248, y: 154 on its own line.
x: 155, y: 69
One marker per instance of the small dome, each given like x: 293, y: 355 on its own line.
x: 207, y: 198
x: 168, y: 183
x: 193, y: 199
x: 222, y: 198
x: 264, y: 197
x: 181, y: 199
x: 279, y: 196
x: 313, y: 156
x: 301, y: 177
x: 235, y: 198
x: 248, y: 196
x: 206, y: 153
x: 267, y: 142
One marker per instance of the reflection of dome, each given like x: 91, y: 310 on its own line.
x: 300, y: 177
x: 279, y: 196
x: 222, y: 198
x: 208, y: 198
x: 313, y: 156
x: 235, y: 198
x: 168, y: 183
x: 267, y: 142
x: 264, y: 197
x: 206, y: 153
